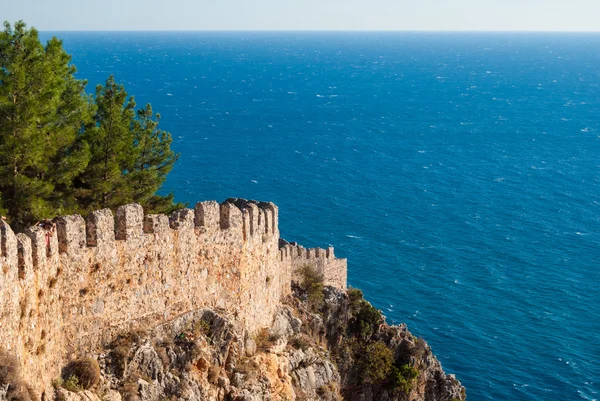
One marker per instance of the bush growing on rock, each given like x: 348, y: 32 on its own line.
x: 247, y: 367
x: 355, y: 295
x: 403, y: 378
x: 366, y: 320
x: 312, y: 284
x: 71, y: 384
x: 10, y: 376
x: 298, y: 342
x: 421, y: 348
x: 376, y: 362
x: 86, y: 371
x: 9, y: 369
x: 121, y: 348
x: 202, y: 328
x: 265, y: 340
x: 129, y: 391
x: 328, y: 391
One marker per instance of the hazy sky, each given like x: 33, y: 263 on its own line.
x: 520, y: 15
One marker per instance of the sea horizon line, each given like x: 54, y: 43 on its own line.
x: 308, y: 31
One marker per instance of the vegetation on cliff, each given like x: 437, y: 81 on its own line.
x: 337, y: 349
x: 376, y: 361
x: 63, y: 151
x: 12, y: 386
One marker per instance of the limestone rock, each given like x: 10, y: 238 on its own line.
x: 250, y: 346
x: 111, y: 395
x: 146, y: 362
x: 147, y: 391
x: 3, y: 392
x: 285, y: 324
x: 68, y: 292
x: 86, y: 395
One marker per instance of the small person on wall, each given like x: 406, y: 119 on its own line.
x: 49, y: 226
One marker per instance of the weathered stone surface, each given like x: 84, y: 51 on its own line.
x: 130, y: 223
x: 71, y: 235
x: 197, y: 287
x: 285, y: 323
x: 145, y: 362
x: 85, y: 395
x: 334, y: 270
x: 311, y: 372
x: 64, y: 295
x: 111, y: 395
x: 250, y: 346
x: 201, y: 356
x: 3, y: 392
x: 100, y: 228
x: 147, y: 391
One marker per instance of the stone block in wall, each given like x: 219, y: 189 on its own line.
x: 334, y: 270
x: 130, y: 223
x: 335, y: 273
x: 100, y: 228
x: 231, y: 216
x: 8, y: 242
x: 40, y: 244
x: 156, y: 223
x: 71, y: 234
x: 298, y: 252
x: 246, y: 223
x: 253, y: 215
x: 207, y: 216
x: 182, y: 222
x: 330, y: 253
x: 182, y: 219
x: 319, y: 253
x: 25, y: 257
x: 270, y: 213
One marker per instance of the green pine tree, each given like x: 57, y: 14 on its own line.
x: 154, y: 160
x: 62, y: 151
x: 43, y: 109
x: 104, y: 184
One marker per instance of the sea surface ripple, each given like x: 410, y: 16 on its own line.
x: 458, y: 173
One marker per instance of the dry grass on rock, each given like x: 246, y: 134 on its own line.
x: 85, y: 370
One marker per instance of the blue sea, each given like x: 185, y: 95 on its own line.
x: 458, y: 173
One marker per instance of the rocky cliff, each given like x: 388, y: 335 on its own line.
x: 206, y: 304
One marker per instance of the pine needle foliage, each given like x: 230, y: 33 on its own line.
x: 42, y: 110
x: 63, y: 151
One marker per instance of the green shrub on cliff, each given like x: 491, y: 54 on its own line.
x: 403, y: 378
x: 355, y: 296
x: 376, y: 362
x: 312, y: 283
x: 63, y: 151
x: 366, y: 320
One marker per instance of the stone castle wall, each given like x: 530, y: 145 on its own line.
x: 334, y: 270
x: 64, y: 296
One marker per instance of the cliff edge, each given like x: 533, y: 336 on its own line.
x: 206, y: 304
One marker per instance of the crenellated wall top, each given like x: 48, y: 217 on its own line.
x: 101, y: 228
